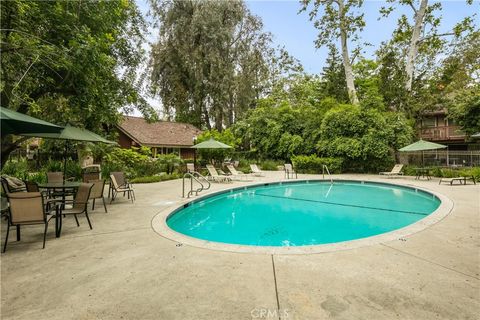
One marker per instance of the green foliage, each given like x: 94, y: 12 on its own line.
x: 136, y: 162
x: 212, y: 60
x: 447, y: 172
x: 156, y: 178
x: 314, y: 164
x: 18, y: 169
x: 169, y: 162
x: 364, y: 138
x: 71, y: 62
x: 218, y: 155
x: 335, y: 84
x: 270, y: 165
x: 465, y: 109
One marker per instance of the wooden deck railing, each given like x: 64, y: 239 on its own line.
x: 442, y: 133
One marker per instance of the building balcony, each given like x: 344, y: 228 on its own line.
x: 443, y: 133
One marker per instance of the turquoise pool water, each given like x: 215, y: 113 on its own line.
x: 296, y: 214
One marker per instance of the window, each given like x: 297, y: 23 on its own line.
x: 429, y: 122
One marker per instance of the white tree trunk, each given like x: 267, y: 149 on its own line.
x: 413, y: 49
x: 352, y: 92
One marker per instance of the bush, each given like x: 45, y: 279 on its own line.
x: 314, y: 164
x: 447, y: 172
x: 270, y: 165
x: 157, y: 178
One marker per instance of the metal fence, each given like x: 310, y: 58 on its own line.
x: 441, y: 158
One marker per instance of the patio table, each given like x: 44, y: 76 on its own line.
x: 422, y: 172
x: 63, y: 186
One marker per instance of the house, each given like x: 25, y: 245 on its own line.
x: 435, y: 126
x: 163, y: 137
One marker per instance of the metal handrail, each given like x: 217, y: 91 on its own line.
x: 193, y: 175
x: 201, y: 177
x: 324, y: 167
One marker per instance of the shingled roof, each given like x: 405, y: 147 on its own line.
x: 160, y: 133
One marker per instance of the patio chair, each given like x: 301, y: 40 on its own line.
x: 256, y: 171
x: 235, y: 173
x: 396, y: 171
x: 290, y: 171
x: 26, y: 208
x: 57, y: 177
x: 121, y: 181
x: 79, y: 204
x: 97, y: 192
x: 217, y: 177
x: 116, y: 189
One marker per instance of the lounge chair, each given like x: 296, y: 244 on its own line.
x: 396, y: 171
x: 117, y: 188
x: 256, y: 171
x: 97, y: 192
x: 121, y: 181
x: 236, y: 174
x: 215, y: 176
x: 459, y: 179
x: 26, y: 208
x: 289, y: 171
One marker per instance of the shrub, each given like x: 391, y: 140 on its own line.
x: 313, y: 164
x: 270, y: 164
x: 157, y: 178
x: 169, y: 162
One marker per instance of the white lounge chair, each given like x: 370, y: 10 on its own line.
x: 236, y: 174
x: 215, y: 176
x: 396, y: 171
x: 256, y: 171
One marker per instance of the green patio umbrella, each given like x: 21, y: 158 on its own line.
x: 71, y: 133
x: 422, y: 145
x: 13, y: 122
x: 476, y: 135
x: 211, y: 144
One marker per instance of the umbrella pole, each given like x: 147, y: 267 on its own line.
x: 423, y: 158
x: 65, y: 160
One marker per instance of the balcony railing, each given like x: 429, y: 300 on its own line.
x: 442, y: 133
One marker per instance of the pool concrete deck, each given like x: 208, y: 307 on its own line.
x: 123, y: 269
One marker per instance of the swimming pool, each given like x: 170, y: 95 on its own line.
x: 302, y: 213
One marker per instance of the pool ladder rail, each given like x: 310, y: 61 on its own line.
x: 197, y: 177
x: 325, y: 169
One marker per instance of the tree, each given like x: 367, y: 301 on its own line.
x: 421, y: 37
x: 333, y: 76
x: 210, y: 62
x: 364, y: 138
x: 338, y: 21
x: 70, y: 62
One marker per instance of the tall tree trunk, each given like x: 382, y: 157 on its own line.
x: 413, y: 49
x: 8, y: 146
x: 352, y: 92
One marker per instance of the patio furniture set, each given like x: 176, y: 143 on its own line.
x: 29, y: 203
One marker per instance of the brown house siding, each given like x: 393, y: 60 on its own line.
x: 124, y: 141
